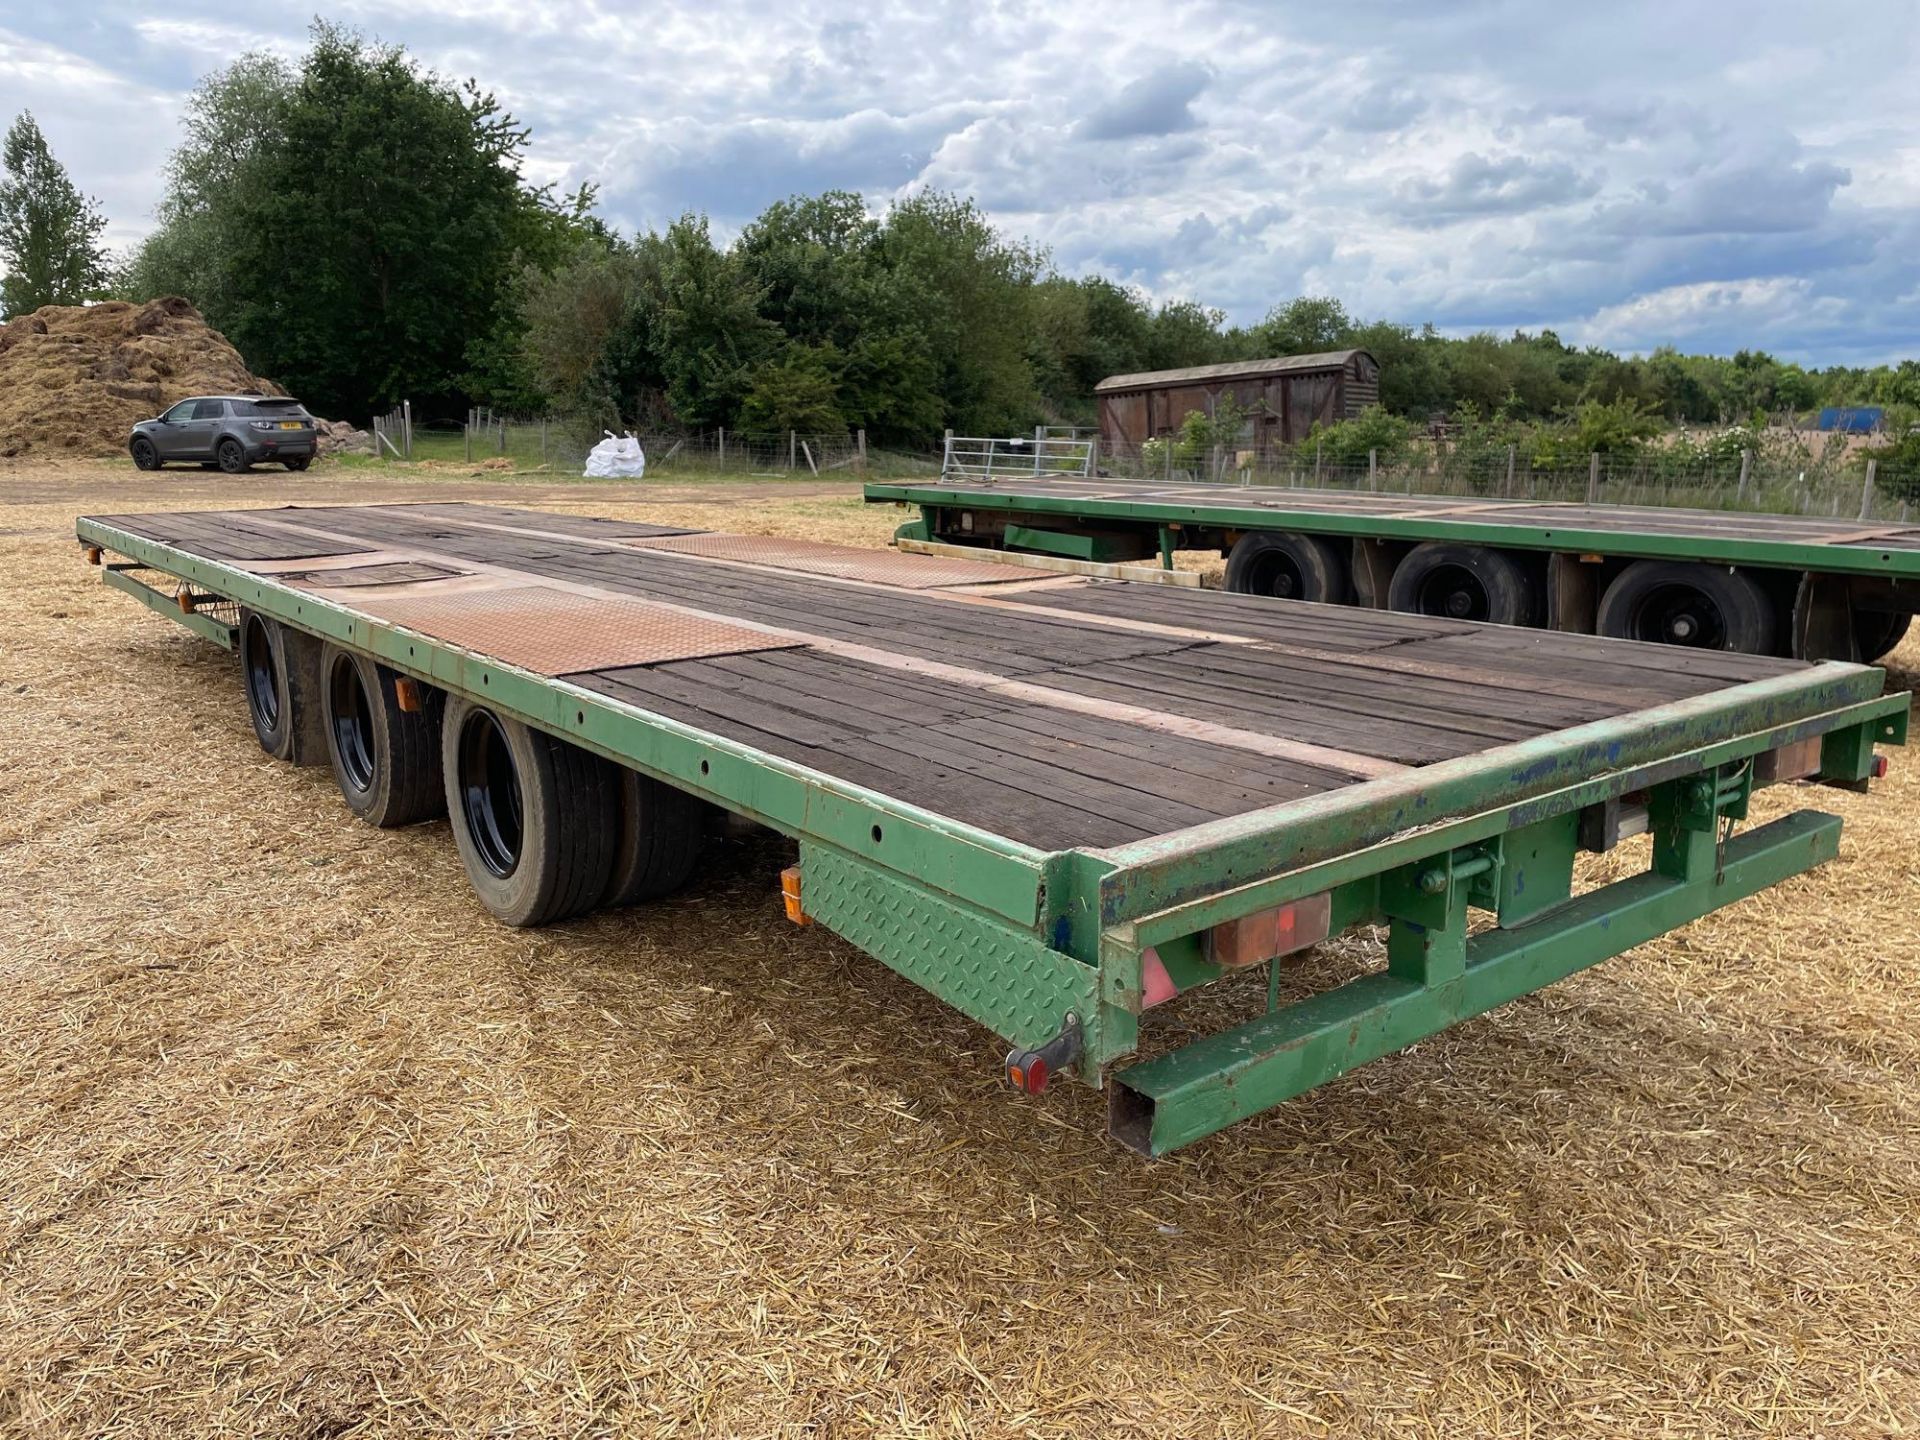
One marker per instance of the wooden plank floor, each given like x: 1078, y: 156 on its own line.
x: 1059, y: 712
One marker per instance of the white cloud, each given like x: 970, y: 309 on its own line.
x: 1628, y: 173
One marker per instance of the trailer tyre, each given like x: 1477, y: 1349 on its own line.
x: 275, y: 690
x: 1876, y: 632
x: 385, y: 760
x: 536, y: 819
x: 663, y: 833
x: 1288, y: 567
x: 1464, y: 582
x: 1678, y: 602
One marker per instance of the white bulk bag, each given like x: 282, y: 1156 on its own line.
x: 616, y: 458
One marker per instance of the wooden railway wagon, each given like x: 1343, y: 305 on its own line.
x: 1055, y: 802
x: 1825, y: 589
x: 1285, y: 398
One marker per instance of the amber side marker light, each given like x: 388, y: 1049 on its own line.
x: 406, y: 694
x: 790, y: 895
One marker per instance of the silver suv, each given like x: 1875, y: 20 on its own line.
x: 231, y: 431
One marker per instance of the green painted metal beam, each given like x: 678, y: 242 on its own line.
x: 1177, y: 1098
x: 1276, y: 511
x: 204, y: 626
x: 1095, y: 545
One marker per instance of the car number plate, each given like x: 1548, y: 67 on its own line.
x: 289, y: 424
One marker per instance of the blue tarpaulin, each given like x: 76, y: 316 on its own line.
x: 1852, y: 419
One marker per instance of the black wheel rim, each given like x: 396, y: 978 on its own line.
x: 1276, y: 573
x: 263, y: 681
x: 1678, y: 615
x: 350, y: 711
x: 1454, y: 593
x: 490, y: 794
x: 143, y: 455
x: 230, y: 457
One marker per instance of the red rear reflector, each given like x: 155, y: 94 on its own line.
x: 1268, y: 934
x: 1880, y: 765
x: 790, y: 895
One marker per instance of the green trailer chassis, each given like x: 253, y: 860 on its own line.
x: 1032, y: 943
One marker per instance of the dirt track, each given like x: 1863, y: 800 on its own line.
x: 294, y: 1142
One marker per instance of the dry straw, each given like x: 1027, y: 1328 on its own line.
x: 294, y: 1142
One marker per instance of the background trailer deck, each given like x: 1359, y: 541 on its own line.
x: 1055, y: 802
x: 1824, y: 589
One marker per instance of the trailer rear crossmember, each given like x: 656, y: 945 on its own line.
x: 1056, y: 802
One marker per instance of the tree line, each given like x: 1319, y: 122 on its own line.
x: 360, y: 228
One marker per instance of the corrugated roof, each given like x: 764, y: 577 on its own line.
x: 1235, y: 370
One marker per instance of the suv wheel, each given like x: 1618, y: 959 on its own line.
x: 145, y: 457
x: 298, y: 462
x: 232, y: 458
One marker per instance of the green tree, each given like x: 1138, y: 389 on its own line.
x: 49, y: 231
x: 1305, y: 326
x: 384, y: 270
x: 214, y: 179
x: 799, y: 391
x: 712, y: 337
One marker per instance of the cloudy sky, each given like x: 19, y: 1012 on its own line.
x: 1630, y: 173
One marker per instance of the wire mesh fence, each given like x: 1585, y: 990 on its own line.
x: 1740, y: 482
x: 561, y: 447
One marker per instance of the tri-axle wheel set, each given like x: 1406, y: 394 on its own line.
x: 1666, y: 602
x: 547, y: 831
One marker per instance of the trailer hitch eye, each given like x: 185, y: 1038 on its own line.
x: 1028, y: 1071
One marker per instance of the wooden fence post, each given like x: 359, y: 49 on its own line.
x: 1373, y: 469
x: 792, y: 450
x: 406, y: 425
x: 1508, y: 489
x: 860, y: 445
x: 1746, y: 469
x: 723, y: 447
x: 1593, y: 477
x: 1866, y: 490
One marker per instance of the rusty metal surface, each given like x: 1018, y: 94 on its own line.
x: 391, y: 572
x: 554, y: 632
x: 844, y: 562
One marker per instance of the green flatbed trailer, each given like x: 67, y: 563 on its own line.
x: 1055, y: 802
x: 1809, y: 587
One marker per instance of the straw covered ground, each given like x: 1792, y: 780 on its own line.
x: 295, y: 1142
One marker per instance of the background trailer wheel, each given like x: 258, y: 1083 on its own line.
x: 536, y: 819
x: 1678, y: 602
x: 1289, y: 567
x: 1464, y: 582
x: 663, y: 835
x: 385, y: 759
x: 279, y: 670
x: 1876, y: 632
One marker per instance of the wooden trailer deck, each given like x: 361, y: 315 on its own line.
x: 1054, y: 801
x: 1059, y: 712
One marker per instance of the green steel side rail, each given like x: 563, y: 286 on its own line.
x: 1027, y: 942
x: 1276, y: 514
